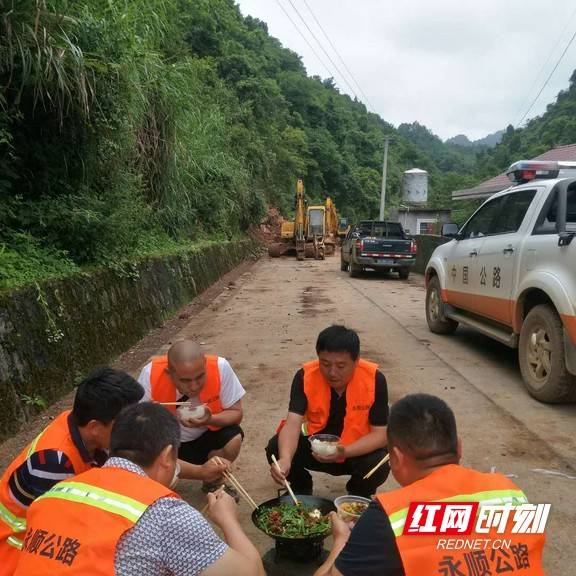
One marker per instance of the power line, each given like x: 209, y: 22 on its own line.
x: 544, y: 66
x: 304, y: 38
x: 548, y: 79
x: 338, y: 54
x: 323, y: 50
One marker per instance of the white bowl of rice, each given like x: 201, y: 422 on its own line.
x: 192, y: 412
x: 324, y: 444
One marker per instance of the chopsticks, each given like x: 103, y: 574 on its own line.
x: 174, y: 403
x: 216, y: 492
x: 381, y: 463
x: 286, y: 483
x: 236, y: 483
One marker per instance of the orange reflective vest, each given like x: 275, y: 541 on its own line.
x: 56, y: 436
x: 422, y: 554
x: 73, y: 529
x: 162, y: 388
x: 360, y: 395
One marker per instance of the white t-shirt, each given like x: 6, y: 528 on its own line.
x: 230, y: 392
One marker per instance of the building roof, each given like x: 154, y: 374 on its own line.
x: 501, y: 182
x: 415, y: 171
x: 414, y: 209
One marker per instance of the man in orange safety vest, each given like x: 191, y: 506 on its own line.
x: 424, y: 458
x: 203, y: 382
x: 124, y: 518
x: 339, y: 394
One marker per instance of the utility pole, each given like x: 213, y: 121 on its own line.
x: 384, y: 170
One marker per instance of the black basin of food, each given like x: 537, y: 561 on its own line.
x: 304, y: 549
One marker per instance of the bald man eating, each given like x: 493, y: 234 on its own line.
x: 186, y: 374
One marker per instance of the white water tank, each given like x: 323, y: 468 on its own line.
x: 415, y: 186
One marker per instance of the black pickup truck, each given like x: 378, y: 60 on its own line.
x: 378, y: 245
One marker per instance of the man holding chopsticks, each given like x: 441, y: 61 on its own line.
x: 125, y: 518
x: 425, y: 454
x: 186, y: 379
x: 342, y: 395
x: 75, y: 441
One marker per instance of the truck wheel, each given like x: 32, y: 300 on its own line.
x: 437, y: 323
x: 343, y: 265
x: 354, y: 270
x: 403, y: 273
x: 541, y: 355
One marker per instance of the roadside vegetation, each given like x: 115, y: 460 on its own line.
x: 143, y: 126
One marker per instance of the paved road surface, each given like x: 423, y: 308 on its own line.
x: 266, y: 324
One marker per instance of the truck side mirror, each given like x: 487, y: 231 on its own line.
x: 450, y: 230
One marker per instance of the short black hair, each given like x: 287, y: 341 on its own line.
x: 102, y: 394
x: 423, y: 426
x: 142, y: 431
x: 338, y: 338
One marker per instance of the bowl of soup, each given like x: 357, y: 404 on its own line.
x: 350, y: 507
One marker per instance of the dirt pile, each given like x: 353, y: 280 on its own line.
x: 268, y: 231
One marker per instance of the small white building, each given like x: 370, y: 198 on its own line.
x: 421, y: 220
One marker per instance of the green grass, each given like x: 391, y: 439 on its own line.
x: 25, y: 261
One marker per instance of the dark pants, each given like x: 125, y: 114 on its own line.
x: 196, y: 451
x: 356, y: 468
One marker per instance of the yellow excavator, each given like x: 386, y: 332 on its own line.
x: 310, y: 234
x: 331, y: 233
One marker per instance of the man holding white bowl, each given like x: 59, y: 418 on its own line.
x: 205, y: 394
x: 336, y: 420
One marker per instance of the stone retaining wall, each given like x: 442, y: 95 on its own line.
x: 53, y: 333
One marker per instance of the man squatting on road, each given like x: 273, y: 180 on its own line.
x: 186, y: 374
x: 125, y: 519
x: 341, y: 394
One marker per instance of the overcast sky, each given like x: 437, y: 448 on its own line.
x: 456, y: 66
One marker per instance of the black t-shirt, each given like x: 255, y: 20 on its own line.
x: 371, y: 549
x: 378, y: 415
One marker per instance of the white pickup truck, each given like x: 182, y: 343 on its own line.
x: 510, y: 273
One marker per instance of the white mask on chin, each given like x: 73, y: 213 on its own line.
x: 175, y: 478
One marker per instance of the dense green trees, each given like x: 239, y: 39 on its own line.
x: 141, y: 125
x: 556, y: 127
x: 132, y: 126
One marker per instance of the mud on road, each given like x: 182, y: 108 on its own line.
x: 265, y: 318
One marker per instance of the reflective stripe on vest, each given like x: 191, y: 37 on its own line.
x: 13, y: 523
x: 16, y: 542
x: 423, y: 553
x: 491, y: 497
x: 34, y: 443
x: 360, y: 397
x: 92, y: 511
x: 92, y: 496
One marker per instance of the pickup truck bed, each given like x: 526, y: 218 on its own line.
x: 378, y: 245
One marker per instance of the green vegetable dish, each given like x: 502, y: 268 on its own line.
x: 290, y: 521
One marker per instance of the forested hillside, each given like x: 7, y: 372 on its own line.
x: 447, y: 157
x: 143, y: 125
x: 556, y: 127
